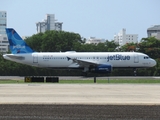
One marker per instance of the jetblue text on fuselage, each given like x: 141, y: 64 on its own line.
x: 118, y: 57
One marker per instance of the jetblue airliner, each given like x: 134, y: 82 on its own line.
x: 88, y: 61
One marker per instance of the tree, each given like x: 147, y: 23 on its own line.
x: 111, y: 46
x: 54, y: 41
x: 150, y: 46
x: 129, y: 47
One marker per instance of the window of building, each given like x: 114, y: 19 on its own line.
x: 4, y: 41
x: 2, y: 48
x: 4, y: 38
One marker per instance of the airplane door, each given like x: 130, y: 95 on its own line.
x: 35, y: 58
x: 136, y: 59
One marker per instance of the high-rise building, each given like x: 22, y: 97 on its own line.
x: 3, y: 36
x: 154, y: 31
x: 3, y: 22
x: 122, y: 38
x: 49, y: 24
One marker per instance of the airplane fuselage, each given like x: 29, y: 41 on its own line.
x: 61, y: 59
x: 88, y: 61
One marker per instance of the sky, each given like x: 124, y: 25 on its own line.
x: 90, y: 18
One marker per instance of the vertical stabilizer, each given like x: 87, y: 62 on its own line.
x: 16, y: 43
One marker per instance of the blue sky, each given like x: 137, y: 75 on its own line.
x: 96, y: 18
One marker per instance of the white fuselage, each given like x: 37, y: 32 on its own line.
x: 60, y: 59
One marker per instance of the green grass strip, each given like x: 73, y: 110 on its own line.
x: 116, y: 81
x: 113, y: 81
x: 11, y: 81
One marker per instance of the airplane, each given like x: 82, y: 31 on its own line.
x: 98, y: 62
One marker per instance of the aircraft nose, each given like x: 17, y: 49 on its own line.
x: 153, y: 63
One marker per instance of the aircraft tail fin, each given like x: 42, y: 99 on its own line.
x: 16, y: 43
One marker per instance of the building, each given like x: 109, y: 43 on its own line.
x: 49, y: 24
x: 122, y: 38
x: 3, y: 36
x: 154, y: 31
x: 93, y: 40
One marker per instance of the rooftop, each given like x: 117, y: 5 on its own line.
x: 155, y: 27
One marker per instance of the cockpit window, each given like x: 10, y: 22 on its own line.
x: 146, y: 57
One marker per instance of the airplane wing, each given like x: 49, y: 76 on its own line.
x: 83, y: 63
x: 15, y: 57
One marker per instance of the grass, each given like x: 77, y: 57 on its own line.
x: 11, y: 81
x: 115, y: 81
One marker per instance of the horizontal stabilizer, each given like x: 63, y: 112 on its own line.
x: 15, y: 57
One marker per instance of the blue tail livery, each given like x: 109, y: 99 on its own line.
x: 17, y: 44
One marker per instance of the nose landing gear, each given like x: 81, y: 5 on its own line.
x: 135, y: 72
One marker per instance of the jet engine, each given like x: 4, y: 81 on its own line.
x: 102, y: 68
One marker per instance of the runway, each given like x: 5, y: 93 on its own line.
x: 79, y: 101
x: 100, y: 94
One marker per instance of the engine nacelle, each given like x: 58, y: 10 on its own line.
x: 103, y: 68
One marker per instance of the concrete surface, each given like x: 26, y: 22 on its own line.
x: 100, y: 94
